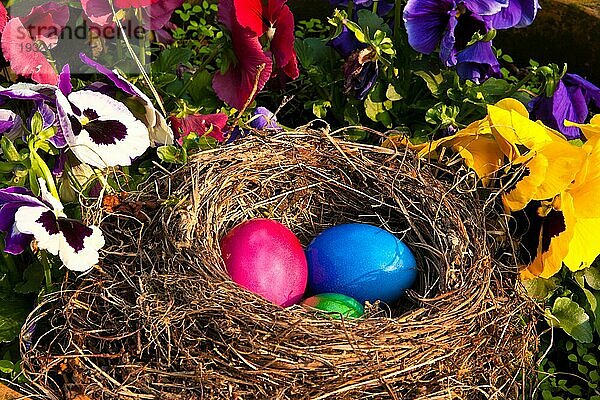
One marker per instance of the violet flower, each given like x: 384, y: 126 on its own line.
x: 152, y: 118
x: 264, y: 119
x: 346, y: 42
x: 11, y: 124
x: 571, y: 101
x: 25, y: 217
x: 450, y: 25
x: 360, y: 72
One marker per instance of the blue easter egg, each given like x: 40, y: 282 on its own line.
x: 361, y: 261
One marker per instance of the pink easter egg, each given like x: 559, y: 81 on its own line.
x: 266, y: 258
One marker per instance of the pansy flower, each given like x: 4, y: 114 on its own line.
x: 100, y: 130
x: 25, y: 38
x: 451, y: 25
x: 211, y: 125
x: 264, y: 119
x: 274, y: 19
x: 571, y: 101
x: 11, y: 124
x: 248, y: 75
x: 560, y: 230
x: 152, y: 118
x: 25, y: 217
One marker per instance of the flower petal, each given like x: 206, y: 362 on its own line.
x: 25, y: 59
x: 478, y: 62
x: 240, y: 84
x: 113, y: 136
x: 282, y: 44
x: 426, y: 21
x: 76, y: 244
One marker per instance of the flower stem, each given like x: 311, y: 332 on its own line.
x: 42, y: 170
x: 47, y: 271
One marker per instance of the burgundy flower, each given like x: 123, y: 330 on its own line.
x: 211, y: 125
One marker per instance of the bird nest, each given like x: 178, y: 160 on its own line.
x: 160, y: 319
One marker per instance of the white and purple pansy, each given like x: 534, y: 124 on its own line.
x: 100, y: 130
x: 25, y: 217
x: 158, y: 129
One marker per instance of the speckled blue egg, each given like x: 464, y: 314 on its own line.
x: 361, y: 261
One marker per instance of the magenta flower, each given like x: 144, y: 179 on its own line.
x: 211, y: 125
x: 24, y: 40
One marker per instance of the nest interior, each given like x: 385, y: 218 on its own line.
x: 160, y: 319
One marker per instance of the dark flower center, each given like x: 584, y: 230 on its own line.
x: 74, y: 231
x: 467, y: 25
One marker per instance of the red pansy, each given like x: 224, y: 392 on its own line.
x: 210, y: 124
x: 275, y: 19
x: 242, y: 81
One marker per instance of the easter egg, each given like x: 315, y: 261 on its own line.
x: 335, y: 303
x: 266, y: 258
x: 361, y: 261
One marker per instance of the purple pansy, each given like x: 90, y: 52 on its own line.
x: 571, y: 101
x: 11, y: 124
x: 450, y: 25
x: 263, y: 118
x: 518, y: 14
x: 154, y: 120
x: 478, y: 62
x: 25, y: 217
x: 346, y: 42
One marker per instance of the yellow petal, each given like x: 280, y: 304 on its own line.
x: 589, y: 130
x: 555, y: 236
x: 548, y: 172
x: 513, y: 104
x: 586, y: 188
x: 585, y: 246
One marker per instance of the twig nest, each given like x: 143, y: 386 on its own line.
x: 160, y: 318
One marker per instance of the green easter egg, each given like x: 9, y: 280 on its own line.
x: 335, y: 303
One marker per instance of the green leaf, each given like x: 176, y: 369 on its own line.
x: 33, y: 277
x: 540, y: 288
x: 171, y: 154
x: 592, y: 277
x: 37, y: 123
x: 6, y: 366
x: 9, y: 150
x: 572, y: 318
x: 319, y: 108
x: 171, y: 58
x: 391, y: 93
x: 13, y: 311
x: 432, y: 81
x: 368, y: 19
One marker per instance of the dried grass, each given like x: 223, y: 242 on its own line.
x: 159, y: 319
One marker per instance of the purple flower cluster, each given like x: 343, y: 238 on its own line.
x: 454, y: 26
